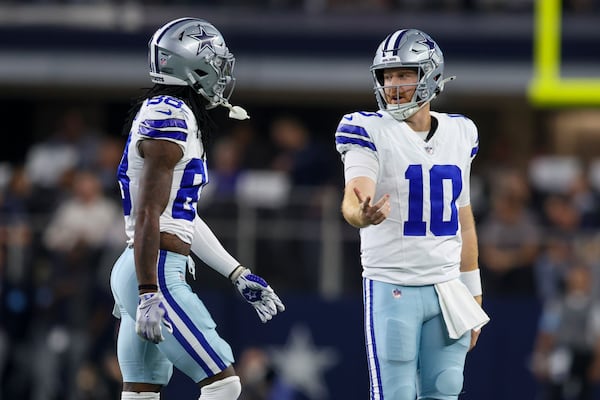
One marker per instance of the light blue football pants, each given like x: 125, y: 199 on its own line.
x: 194, y: 347
x: 409, y: 352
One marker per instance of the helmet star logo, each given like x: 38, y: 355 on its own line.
x: 204, y: 38
x: 427, y: 42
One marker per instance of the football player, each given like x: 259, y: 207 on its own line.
x: 407, y: 174
x: 161, y: 175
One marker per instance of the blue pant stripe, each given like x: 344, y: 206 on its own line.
x: 375, y: 373
x: 188, y: 323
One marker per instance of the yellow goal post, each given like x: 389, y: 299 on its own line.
x: 547, y: 87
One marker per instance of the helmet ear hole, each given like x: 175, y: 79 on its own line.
x: 200, y: 73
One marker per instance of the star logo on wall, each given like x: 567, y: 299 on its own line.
x: 204, y: 38
x: 302, y: 365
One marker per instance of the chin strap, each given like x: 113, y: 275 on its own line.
x: 444, y: 81
x: 235, y: 112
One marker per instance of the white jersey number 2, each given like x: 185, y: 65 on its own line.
x: 443, y: 218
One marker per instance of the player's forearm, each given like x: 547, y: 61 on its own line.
x: 146, y: 246
x: 155, y: 183
x: 469, y: 258
x: 351, y: 205
x: 469, y: 267
x: 208, y: 248
x: 153, y: 197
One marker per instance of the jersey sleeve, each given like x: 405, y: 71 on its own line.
x: 352, y: 135
x: 165, y: 120
x: 472, y: 139
x: 360, y: 163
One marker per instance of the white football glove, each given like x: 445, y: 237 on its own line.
x: 150, y: 316
x: 257, y: 292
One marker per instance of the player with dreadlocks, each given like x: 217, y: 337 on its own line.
x: 161, y: 175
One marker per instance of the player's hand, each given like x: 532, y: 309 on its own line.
x: 372, y: 214
x: 257, y: 292
x: 150, y: 316
x: 474, y: 337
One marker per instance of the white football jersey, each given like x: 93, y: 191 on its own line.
x: 420, y: 242
x: 165, y: 118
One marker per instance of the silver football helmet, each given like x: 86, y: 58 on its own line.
x: 409, y: 48
x: 191, y: 51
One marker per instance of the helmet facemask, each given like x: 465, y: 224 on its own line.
x: 215, y: 82
x: 423, y: 91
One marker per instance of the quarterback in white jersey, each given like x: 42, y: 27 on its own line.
x: 418, y: 243
x: 163, y: 324
x: 407, y: 172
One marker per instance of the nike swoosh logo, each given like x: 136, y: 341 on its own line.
x: 166, y: 112
x: 348, y: 117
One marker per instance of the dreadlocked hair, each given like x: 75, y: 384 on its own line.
x: 196, y: 102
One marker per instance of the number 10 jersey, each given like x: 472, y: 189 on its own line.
x: 428, y: 181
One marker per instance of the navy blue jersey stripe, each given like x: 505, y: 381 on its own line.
x: 155, y: 133
x: 165, y: 123
x: 356, y: 130
x: 359, y: 142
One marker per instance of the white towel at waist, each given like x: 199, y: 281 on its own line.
x: 460, y: 310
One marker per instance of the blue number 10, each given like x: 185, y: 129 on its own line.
x: 415, y: 225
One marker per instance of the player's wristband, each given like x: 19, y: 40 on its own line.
x: 472, y: 280
x: 236, y: 273
x: 148, y: 287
